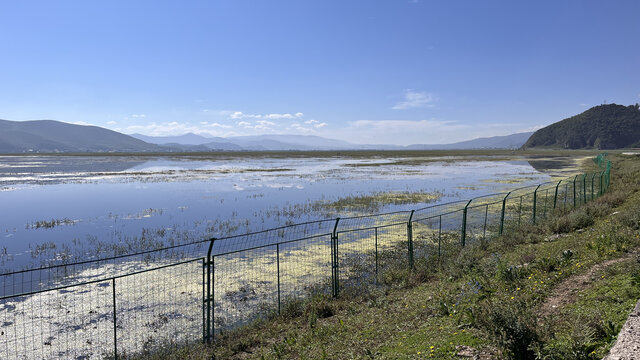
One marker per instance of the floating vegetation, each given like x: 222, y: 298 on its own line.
x: 376, y: 201
x: 512, y: 180
x: 49, y: 224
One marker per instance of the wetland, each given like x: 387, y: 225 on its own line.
x: 60, y: 208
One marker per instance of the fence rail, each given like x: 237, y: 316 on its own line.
x: 139, y: 302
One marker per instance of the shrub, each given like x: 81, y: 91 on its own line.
x: 512, y: 324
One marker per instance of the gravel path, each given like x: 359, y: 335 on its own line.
x: 627, y: 347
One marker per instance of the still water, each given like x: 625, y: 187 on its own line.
x: 69, y: 208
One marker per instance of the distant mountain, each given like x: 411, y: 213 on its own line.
x: 608, y: 126
x: 307, y: 142
x: 55, y: 136
x: 513, y: 141
x: 311, y: 142
x: 186, y: 139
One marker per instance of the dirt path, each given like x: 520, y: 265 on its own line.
x: 565, y: 292
x: 627, y: 347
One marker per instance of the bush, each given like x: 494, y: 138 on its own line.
x: 577, y: 219
x: 512, y: 324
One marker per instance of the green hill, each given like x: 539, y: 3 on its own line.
x: 608, y: 126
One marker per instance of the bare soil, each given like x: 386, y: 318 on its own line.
x: 565, y: 293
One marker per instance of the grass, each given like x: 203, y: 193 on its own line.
x: 491, y: 299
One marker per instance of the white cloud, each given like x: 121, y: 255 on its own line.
x: 316, y: 124
x: 218, y: 125
x: 82, y: 123
x: 244, y: 124
x: 279, y: 116
x: 176, y: 128
x: 111, y: 122
x: 236, y: 115
x: 413, y: 99
x: 584, y: 105
x: 265, y: 123
x: 300, y: 129
x: 138, y: 116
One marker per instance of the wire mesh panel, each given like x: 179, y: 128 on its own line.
x: 363, y: 254
x: 67, y: 323
x: 18, y: 282
x: 482, y: 217
x: 427, y: 237
x: 244, y: 286
x: 304, y: 268
x: 159, y: 308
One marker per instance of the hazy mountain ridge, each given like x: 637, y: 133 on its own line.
x: 608, y: 126
x: 311, y: 142
x: 513, y: 141
x: 49, y: 136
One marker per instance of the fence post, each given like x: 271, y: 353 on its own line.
x: 592, y: 177
x: 584, y: 189
x: 555, y: 197
x: 535, y: 199
x: 601, y: 183
x: 439, y: 237
x: 210, y: 284
x: 484, y: 228
x: 410, y: 239
x: 546, y: 197
x: 376, y: 234
x: 335, y: 286
x: 463, y: 235
x: 608, y: 173
x: 204, y: 298
x: 574, y: 191
x: 278, y: 268
x: 504, y: 202
x: 115, y: 332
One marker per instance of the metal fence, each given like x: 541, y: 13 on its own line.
x: 142, y: 302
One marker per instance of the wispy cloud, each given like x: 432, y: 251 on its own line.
x: 316, y: 124
x: 276, y: 116
x: 81, y: 123
x: 177, y: 128
x: 415, y: 99
x: 136, y: 116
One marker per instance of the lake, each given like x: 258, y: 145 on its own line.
x: 59, y: 209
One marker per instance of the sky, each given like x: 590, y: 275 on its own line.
x: 370, y: 72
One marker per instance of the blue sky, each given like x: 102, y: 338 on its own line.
x: 397, y: 72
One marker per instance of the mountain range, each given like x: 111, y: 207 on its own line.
x: 49, y: 136
x: 190, y: 142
